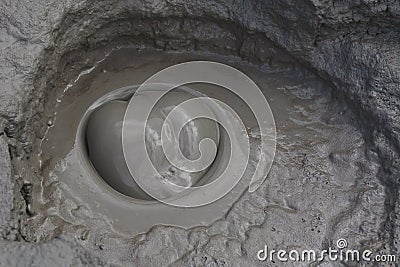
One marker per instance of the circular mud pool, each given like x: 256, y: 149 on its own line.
x: 322, y: 179
x: 329, y: 71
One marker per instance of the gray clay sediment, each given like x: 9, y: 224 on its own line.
x: 351, y: 49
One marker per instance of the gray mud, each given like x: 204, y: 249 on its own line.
x: 331, y: 73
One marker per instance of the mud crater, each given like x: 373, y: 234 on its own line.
x: 323, y: 178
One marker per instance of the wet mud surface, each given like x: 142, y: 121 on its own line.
x: 329, y: 70
x: 323, y: 180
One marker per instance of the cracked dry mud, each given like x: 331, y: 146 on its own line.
x: 329, y: 70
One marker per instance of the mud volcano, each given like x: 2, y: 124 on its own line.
x: 330, y: 72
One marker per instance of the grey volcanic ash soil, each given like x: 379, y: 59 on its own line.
x: 335, y: 65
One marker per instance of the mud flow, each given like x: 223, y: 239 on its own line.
x: 71, y: 194
x: 323, y: 171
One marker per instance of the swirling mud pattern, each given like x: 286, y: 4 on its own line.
x: 144, y: 171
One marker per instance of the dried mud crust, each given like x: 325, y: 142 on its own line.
x: 352, y: 46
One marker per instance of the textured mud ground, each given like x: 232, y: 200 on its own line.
x: 352, y: 46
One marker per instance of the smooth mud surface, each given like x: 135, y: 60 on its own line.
x: 322, y: 185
